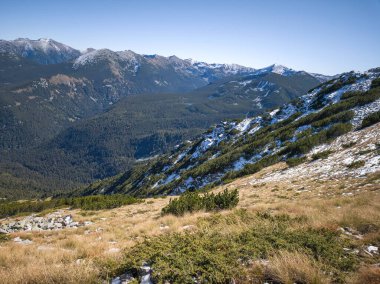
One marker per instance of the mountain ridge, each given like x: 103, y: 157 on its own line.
x: 60, y: 53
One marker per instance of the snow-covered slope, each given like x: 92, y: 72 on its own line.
x: 43, y: 51
x: 232, y: 148
x: 189, y: 68
x: 49, y: 51
x: 278, y: 69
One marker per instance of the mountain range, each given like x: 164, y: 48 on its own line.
x: 70, y: 117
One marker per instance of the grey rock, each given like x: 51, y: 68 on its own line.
x: 53, y: 221
x: 146, y: 277
x: 3, y: 231
x: 122, y: 279
x: 21, y: 241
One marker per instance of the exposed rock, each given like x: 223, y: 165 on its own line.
x: 113, y: 250
x: 145, y: 275
x: 21, y: 241
x: 188, y: 227
x: 53, y: 221
x: 146, y: 272
x: 371, y: 250
x: 123, y: 279
x: 351, y: 232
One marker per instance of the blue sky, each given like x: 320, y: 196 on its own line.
x: 317, y: 36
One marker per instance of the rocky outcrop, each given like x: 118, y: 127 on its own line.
x: 53, y: 221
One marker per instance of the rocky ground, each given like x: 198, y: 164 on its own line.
x: 52, y: 221
x: 354, y: 155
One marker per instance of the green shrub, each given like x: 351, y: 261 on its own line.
x: 319, y: 99
x: 321, y: 155
x: 216, y: 253
x: 305, y: 144
x: 193, y: 201
x: 371, y: 119
x: 356, y: 165
x: 3, y: 237
x: 348, y: 95
x: 348, y: 145
x: 375, y: 83
x: 338, y: 129
x: 292, y: 162
x: 94, y: 202
x: 344, y: 116
x: 252, y: 168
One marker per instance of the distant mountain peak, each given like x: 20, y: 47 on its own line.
x: 43, y: 50
x: 278, y: 69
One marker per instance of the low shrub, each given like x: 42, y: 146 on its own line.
x: 292, y: 162
x: 337, y: 130
x: 94, y: 202
x: 3, y: 237
x: 375, y: 83
x: 224, y: 247
x: 371, y: 119
x: 356, y: 165
x: 348, y: 95
x: 348, y: 145
x: 321, y: 155
x: 193, y: 201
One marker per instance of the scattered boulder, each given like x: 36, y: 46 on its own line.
x: 371, y: 250
x: 145, y: 276
x: 123, y: 279
x: 351, y: 232
x: 53, y: 221
x: 145, y: 272
x: 21, y: 241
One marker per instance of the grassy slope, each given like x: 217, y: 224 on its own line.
x: 301, y: 243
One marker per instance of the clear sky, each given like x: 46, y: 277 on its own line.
x: 317, y: 36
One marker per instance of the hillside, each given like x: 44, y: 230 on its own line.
x: 233, y: 149
x: 317, y: 221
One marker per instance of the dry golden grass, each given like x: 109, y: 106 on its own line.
x: 293, y: 267
x: 367, y: 275
x: 84, y: 255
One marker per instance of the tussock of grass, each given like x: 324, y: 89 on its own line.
x: 368, y: 275
x: 294, y: 267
